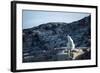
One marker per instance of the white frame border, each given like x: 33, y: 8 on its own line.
x: 38, y: 65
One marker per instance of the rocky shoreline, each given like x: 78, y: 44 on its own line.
x: 59, y: 54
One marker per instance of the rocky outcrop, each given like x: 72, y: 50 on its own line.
x: 85, y: 55
x: 81, y: 54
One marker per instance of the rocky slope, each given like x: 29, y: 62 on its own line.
x: 37, y: 41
